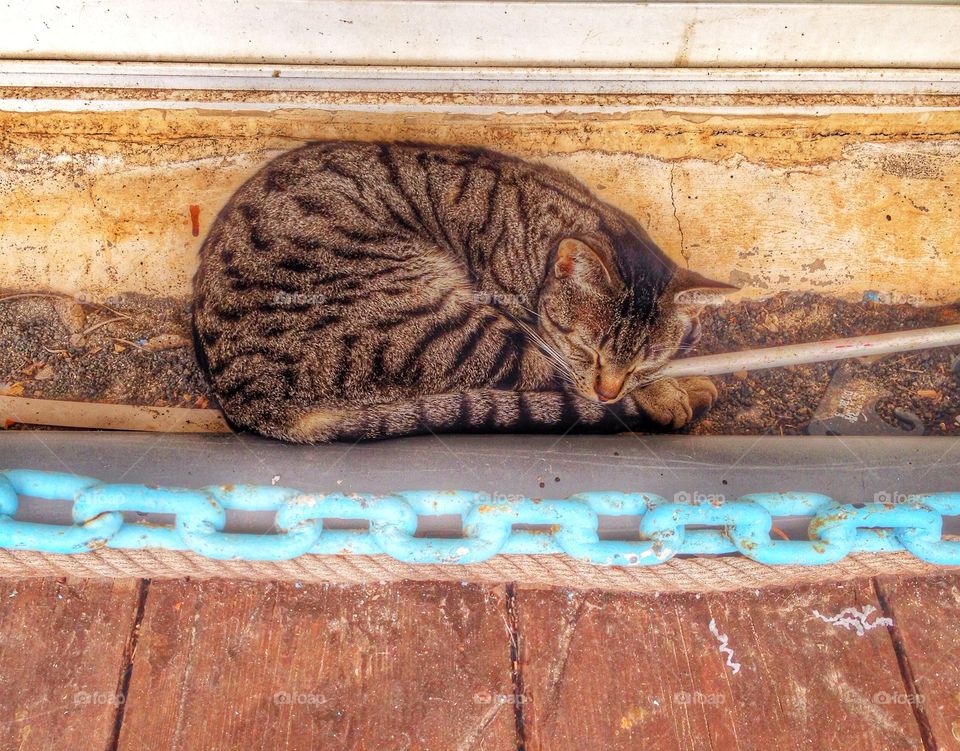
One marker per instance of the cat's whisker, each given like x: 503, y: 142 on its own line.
x: 563, y: 369
x: 562, y: 366
x: 531, y: 311
x: 555, y: 357
x: 552, y: 350
x: 551, y: 356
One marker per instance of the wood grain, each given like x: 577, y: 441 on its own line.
x: 925, y: 613
x: 63, y: 653
x: 252, y: 665
x: 242, y: 665
x: 111, y: 416
x: 602, y: 670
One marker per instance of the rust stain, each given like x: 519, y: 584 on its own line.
x: 780, y: 533
x: 682, y: 59
x: 632, y: 717
x: 195, y: 219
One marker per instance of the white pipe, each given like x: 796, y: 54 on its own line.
x: 813, y: 352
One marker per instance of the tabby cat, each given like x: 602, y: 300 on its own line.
x: 366, y: 290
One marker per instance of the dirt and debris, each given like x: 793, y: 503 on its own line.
x: 781, y: 401
x: 137, y: 350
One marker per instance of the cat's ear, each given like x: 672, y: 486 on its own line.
x: 691, y: 289
x: 578, y: 261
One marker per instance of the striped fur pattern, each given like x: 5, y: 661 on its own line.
x: 366, y: 290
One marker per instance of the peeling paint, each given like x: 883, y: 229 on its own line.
x: 851, y: 618
x: 95, y: 202
x: 724, y: 649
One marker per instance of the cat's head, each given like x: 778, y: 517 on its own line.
x: 613, y: 335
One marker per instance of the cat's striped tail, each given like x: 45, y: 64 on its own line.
x: 483, y: 411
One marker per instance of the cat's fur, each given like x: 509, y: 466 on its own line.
x: 366, y: 290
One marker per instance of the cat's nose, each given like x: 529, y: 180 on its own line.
x: 607, y: 389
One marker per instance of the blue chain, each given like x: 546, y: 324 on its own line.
x: 707, y: 526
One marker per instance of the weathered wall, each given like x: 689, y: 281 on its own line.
x: 98, y: 203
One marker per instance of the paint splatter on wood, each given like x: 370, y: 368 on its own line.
x: 724, y: 649
x: 851, y: 618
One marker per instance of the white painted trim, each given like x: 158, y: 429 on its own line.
x: 534, y: 80
x: 471, y: 33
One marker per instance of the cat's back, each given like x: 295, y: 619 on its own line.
x: 323, y: 234
x: 359, y: 192
x: 324, y: 166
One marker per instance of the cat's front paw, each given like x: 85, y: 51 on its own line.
x: 674, y: 402
x: 701, y: 392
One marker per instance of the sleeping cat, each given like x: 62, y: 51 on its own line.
x: 366, y: 290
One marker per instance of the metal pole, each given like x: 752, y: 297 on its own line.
x: 813, y: 352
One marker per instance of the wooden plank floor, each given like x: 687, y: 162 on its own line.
x: 64, y: 653
x: 218, y: 665
x: 656, y: 676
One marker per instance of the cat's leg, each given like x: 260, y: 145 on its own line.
x: 480, y: 410
x: 488, y: 411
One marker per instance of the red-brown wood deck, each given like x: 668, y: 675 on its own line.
x: 195, y: 665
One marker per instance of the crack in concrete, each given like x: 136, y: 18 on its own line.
x: 673, y: 203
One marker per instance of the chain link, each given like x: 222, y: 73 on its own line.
x: 105, y: 515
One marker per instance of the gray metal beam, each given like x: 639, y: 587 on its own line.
x: 845, y: 468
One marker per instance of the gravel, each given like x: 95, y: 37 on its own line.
x: 138, y: 351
